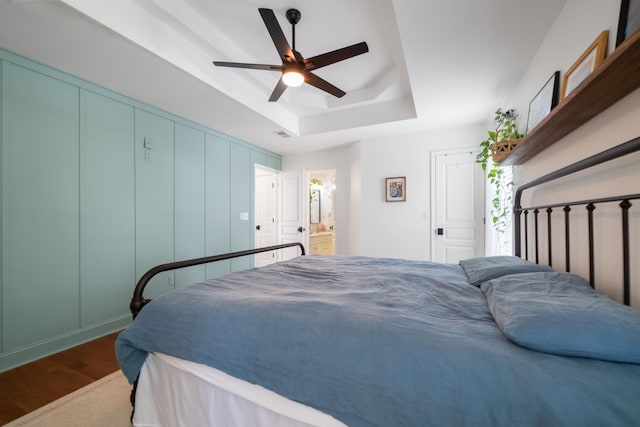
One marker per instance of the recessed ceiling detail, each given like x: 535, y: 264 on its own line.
x: 190, y: 34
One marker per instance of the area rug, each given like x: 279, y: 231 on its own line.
x: 103, y: 403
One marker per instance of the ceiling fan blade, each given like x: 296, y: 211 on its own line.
x: 250, y: 66
x: 324, y: 85
x: 277, y: 91
x: 279, y: 40
x: 334, y: 56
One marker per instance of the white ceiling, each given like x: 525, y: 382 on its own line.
x: 431, y: 63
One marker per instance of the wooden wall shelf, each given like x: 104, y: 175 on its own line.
x: 616, y: 77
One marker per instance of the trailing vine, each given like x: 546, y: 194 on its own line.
x: 498, y: 176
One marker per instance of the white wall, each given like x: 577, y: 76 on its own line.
x: 375, y: 227
x: 576, y: 27
x: 403, y: 229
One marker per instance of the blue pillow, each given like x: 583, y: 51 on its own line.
x: 560, y: 313
x: 481, y: 269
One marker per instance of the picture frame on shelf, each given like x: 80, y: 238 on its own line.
x: 584, y: 66
x: 629, y: 21
x: 545, y: 100
x: 395, y: 189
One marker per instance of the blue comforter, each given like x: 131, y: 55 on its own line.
x: 378, y: 342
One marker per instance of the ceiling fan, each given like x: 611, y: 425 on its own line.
x: 295, y: 68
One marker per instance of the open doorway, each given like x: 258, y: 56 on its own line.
x: 322, y: 212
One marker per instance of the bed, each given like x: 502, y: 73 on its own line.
x: 344, y: 340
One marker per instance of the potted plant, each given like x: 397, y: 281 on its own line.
x: 506, y: 136
x: 496, y: 147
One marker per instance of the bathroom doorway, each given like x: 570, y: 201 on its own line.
x: 322, y: 212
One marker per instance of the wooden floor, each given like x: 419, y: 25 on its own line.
x: 33, y: 385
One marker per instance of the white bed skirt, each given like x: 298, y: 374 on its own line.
x: 176, y: 392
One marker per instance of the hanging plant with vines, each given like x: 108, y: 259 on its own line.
x: 498, y: 176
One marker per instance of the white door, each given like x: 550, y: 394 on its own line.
x: 293, y: 212
x: 458, y: 206
x: 266, y: 207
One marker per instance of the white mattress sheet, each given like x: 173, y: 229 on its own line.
x: 177, y: 392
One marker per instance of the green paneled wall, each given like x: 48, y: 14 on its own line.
x: 107, y: 206
x: 40, y: 217
x: 218, y: 214
x: 2, y: 318
x: 154, y: 153
x: 97, y: 188
x: 241, y: 202
x: 189, y: 202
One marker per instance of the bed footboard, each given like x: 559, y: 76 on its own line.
x: 139, y: 301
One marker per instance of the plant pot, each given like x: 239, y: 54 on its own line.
x: 501, y: 149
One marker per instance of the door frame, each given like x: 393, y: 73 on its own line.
x: 333, y: 173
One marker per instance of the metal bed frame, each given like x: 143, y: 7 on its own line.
x: 139, y: 301
x: 624, y: 202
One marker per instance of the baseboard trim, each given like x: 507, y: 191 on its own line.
x: 57, y: 344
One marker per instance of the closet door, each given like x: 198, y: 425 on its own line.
x: 154, y: 151
x: 241, y: 206
x: 217, y: 188
x: 190, y: 202
x: 40, y: 207
x: 107, y: 207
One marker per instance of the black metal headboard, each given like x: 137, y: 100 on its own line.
x: 521, y: 214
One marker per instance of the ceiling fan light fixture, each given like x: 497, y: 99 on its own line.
x: 295, y: 69
x: 293, y: 78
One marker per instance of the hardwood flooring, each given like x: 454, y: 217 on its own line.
x: 30, y: 386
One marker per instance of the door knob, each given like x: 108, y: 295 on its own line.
x: 258, y: 227
x: 301, y: 229
x: 440, y: 231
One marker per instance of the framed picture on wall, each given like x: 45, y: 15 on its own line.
x: 395, y: 189
x: 588, y: 61
x: 544, y: 101
x: 629, y: 21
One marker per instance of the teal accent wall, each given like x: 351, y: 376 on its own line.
x: 96, y: 188
x: 190, y: 235
x: 218, y: 215
x: 41, y: 204
x: 154, y: 184
x: 107, y: 206
x: 241, y: 202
